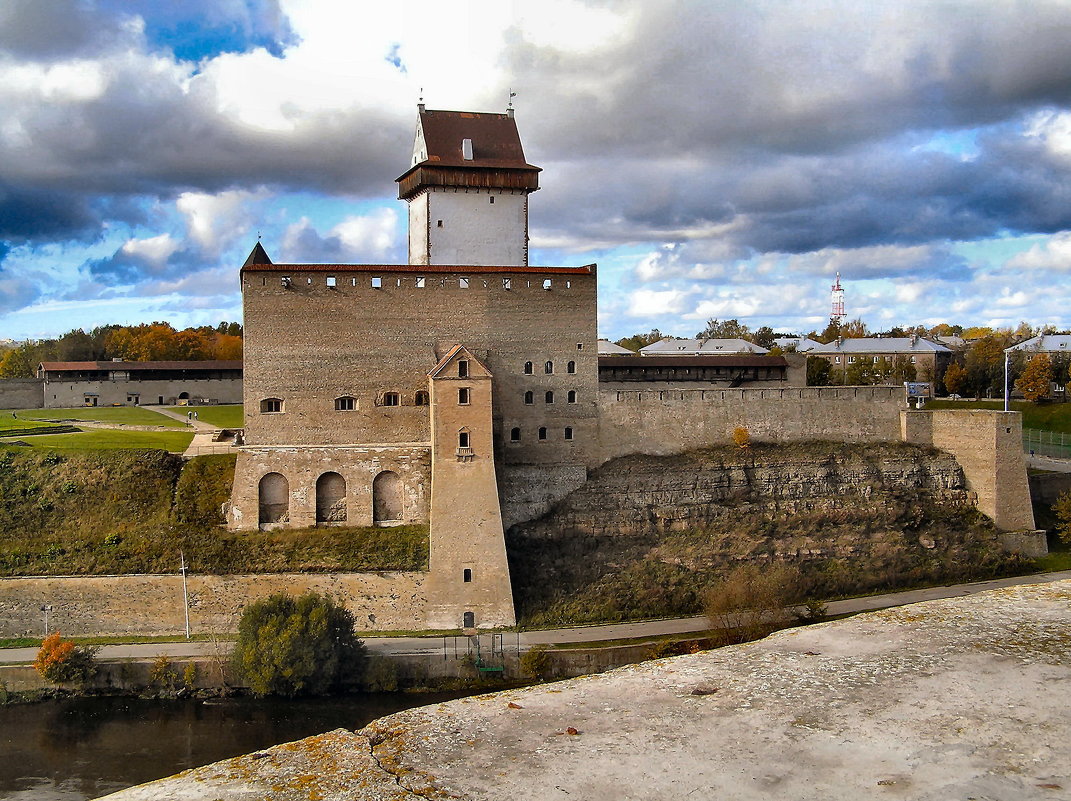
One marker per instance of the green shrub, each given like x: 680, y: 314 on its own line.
x: 380, y: 674
x: 162, y: 675
x: 297, y: 646
x: 189, y: 675
x: 535, y: 663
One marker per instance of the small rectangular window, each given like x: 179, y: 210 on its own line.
x: 547, y: 283
x: 507, y: 283
x: 420, y: 282
x: 309, y: 280
x: 463, y: 396
x: 377, y: 283
x: 463, y: 368
x: 439, y: 224
x: 331, y: 281
x: 353, y: 281
x: 463, y: 283
x: 579, y: 345
x: 568, y: 433
x: 467, y: 575
x: 568, y: 284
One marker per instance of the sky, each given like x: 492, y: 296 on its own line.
x: 716, y: 159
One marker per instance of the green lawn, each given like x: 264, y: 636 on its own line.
x: 9, y: 421
x: 131, y: 415
x: 221, y: 416
x: 1045, y: 417
x: 102, y: 439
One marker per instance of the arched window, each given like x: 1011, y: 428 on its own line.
x: 529, y: 398
x: 421, y: 398
x: 571, y: 397
x: 273, y: 498
x: 514, y: 435
x: 527, y: 368
x: 346, y: 403
x: 571, y: 367
x: 331, y: 498
x: 568, y: 432
x: 549, y: 396
x: 391, y: 399
x: 548, y: 368
x: 542, y: 433
x: 271, y: 405
x: 387, y: 497
x: 463, y: 438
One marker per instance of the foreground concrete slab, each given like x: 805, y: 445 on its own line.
x: 964, y: 698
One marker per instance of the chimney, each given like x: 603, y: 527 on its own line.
x: 509, y: 112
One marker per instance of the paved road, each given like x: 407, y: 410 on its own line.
x: 578, y: 634
x: 1048, y: 463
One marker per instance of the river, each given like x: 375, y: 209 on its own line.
x: 83, y: 748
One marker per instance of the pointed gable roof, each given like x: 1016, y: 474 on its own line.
x: 256, y: 256
x: 454, y: 354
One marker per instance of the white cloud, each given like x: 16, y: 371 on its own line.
x: 212, y: 220
x: 153, y: 251
x: 650, y: 303
x: 1053, y: 254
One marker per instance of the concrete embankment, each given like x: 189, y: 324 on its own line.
x: 953, y: 698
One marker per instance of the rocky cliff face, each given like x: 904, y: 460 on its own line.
x: 647, y: 534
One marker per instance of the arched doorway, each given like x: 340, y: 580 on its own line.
x: 387, y: 497
x: 330, y: 498
x: 274, y: 495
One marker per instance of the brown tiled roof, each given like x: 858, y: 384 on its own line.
x: 721, y: 360
x: 235, y: 364
x: 495, y: 140
x: 420, y: 269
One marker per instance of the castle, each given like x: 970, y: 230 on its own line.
x: 464, y: 389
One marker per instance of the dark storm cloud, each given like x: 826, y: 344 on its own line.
x: 52, y: 29
x: 130, y: 267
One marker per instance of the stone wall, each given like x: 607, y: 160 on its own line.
x: 671, y: 421
x: 21, y: 393
x: 989, y: 446
x: 152, y: 605
x: 303, y: 467
x: 60, y: 394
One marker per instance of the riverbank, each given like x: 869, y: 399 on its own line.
x: 942, y: 699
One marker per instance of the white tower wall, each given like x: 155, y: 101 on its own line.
x: 464, y: 226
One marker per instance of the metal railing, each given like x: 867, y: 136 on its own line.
x: 1047, y: 443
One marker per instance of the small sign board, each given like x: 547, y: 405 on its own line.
x: 918, y: 389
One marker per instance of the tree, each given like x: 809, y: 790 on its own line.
x: 724, y: 329
x: 1062, y: 510
x: 818, y: 370
x: 1036, y: 380
x: 750, y: 601
x: 297, y: 646
x: 637, y: 341
x: 61, y: 661
x: 955, y: 379
x: 902, y: 369
x: 764, y: 337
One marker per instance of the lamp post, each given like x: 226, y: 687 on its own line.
x: 185, y: 594
x: 46, y: 609
x: 1005, y: 380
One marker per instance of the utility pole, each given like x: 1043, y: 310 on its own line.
x: 185, y: 594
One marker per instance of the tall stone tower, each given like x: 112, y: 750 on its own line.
x: 467, y: 190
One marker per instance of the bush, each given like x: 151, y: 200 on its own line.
x: 750, y: 602
x: 297, y: 646
x: 163, y: 675
x: 380, y: 675
x: 741, y: 438
x: 1062, y: 510
x: 535, y: 663
x: 60, y: 661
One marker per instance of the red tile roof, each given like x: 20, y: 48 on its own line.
x: 207, y: 364
x: 495, y: 140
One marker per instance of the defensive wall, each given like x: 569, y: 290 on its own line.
x: 62, y: 394
x: 152, y: 605
x: 662, y: 422
x: 21, y: 393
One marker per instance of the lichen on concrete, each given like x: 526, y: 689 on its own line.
x: 951, y: 699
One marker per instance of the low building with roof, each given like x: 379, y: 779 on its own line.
x: 700, y: 347
x: 928, y: 358
x: 128, y: 383
x: 608, y: 348
x: 1047, y: 343
x: 798, y: 344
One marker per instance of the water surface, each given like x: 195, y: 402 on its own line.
x: 83, y: 748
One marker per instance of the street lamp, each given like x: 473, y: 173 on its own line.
x: 1005, y: 380
x: 46, y: 609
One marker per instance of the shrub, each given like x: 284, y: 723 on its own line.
x: 189, y: 675
x: 162, y: 675
x: 1062, y: 510
x: 297, y: 646
x: 749, y: 603
x: 60, y: 661
x: 741, y: 437
x: 380, y: 675
x: 535, y: 663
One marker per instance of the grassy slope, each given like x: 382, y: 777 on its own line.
x: 221, y: 416
x: 1046, y: 416
x: 131, y: 415
x: 112, y: 439
x: 132, y: 511
x: 8, y: 422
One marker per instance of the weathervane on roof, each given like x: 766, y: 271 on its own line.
x: 512, y: 95
x: 258, y: 236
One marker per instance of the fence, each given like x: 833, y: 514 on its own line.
x: 1047, y: 443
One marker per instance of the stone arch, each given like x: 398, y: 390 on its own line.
x: 274, y: 499
x: 331, y: 498
x: 387, y: 497
x: 184, y: 396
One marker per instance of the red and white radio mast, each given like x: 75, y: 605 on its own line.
x: 838, y: 301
